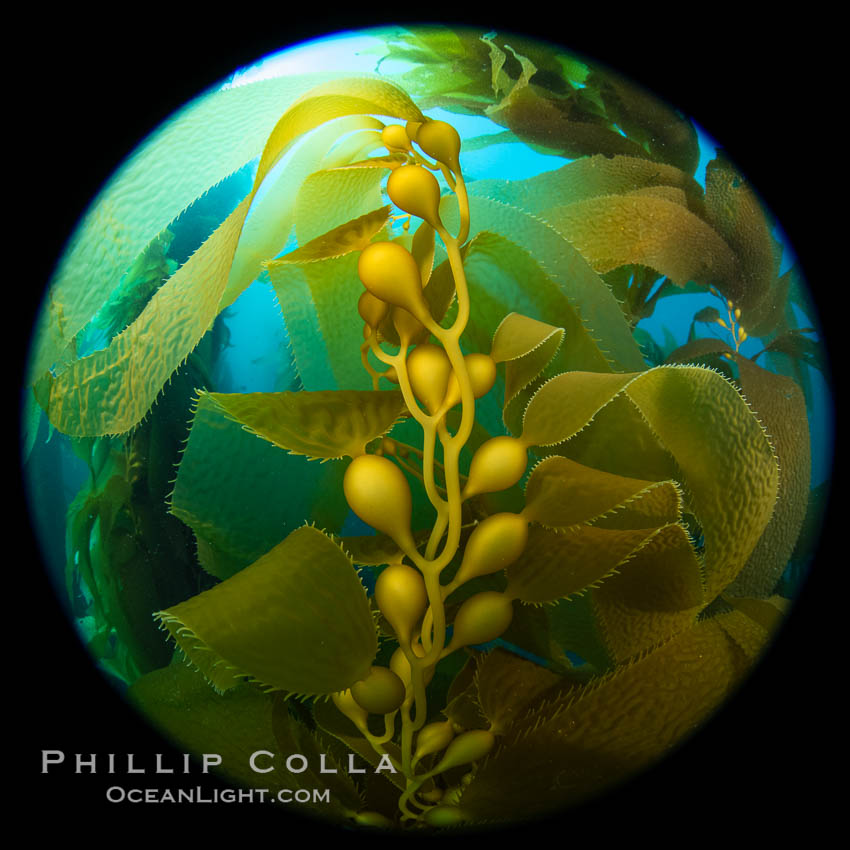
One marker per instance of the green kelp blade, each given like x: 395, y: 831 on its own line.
x: 234, y: 725
x: 324, y: 766
x: 728, y: 465
x: 326, y: 424
x: 589, y: 177
x: 780, y: 406
x: 112, y: 389
x: 561, y: 565
x: 561, y: 493
x: 655, y: 594
x: 620, y: 724
x: 313, y: 296
x: 599, y: 311
x: 354, y: 235
x: 504, y: 278
x: 651, y: 231
x: 199, y: 147
x: 726, y: 461
x: 734, y: 210
x: 526, y: 346
x: 566, y: 403
x: 296, y: 620
x: 509, y: 686
x: 779, y: 403
x: 330, y: 198
x: 240, y: 495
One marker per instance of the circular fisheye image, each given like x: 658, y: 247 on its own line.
x: 428, y: 427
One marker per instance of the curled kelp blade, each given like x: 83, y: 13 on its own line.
x: 126, y: 377
x: 727, y: 464
x: 562, y: 565
x: 331, y: 424
x: 297, y: 620
x: 526, y: 346
x: 509, y: 686
x: 609, y: 730
x: 210, y: 139
x: 655, y: 594
x: 561, y: 493
x: 780, y: 406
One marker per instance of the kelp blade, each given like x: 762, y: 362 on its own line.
x: 296, y: 620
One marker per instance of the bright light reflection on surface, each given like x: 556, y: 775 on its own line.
x: 352, y: 52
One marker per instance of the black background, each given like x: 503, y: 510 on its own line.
x: 86, y: 89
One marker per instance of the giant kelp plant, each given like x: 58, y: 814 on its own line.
x: 564, y: 516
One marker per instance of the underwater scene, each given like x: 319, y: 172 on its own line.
x: 436, y: 412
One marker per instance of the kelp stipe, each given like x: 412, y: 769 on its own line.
x: 570, y: 513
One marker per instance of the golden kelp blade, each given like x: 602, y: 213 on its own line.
x: 562, y: 565
x: 111, y: 390
x: 296, y: 620
x: 638, y: 228
x: 207, y: 141
x: 561, y: 493
x: 526, y: 345
x: 331, y: 424
x: 609, y: 730
x: 727, y: 463
x: 589, y: 177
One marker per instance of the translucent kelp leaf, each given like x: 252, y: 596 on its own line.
x: 503, y: 278
x: 111, y: 390
x: 328, y: 199
x: 526, y: 345
x: 560, y: 565
x: 726, y: 462
x: 586, y: 292
x: 331, y: 424
x: 352, y: 236
x: 638, y: 228
x: 509, y: 685
x: 321, y: 345
x: 241, y: 495
x: 274, y: 208
x: 208, y: 140
x: 588, y: 177
x: 796, y: 345
x: 304, y: 622
x: 655, y: 594
x: 613, y: 728
x: 561, y: 493
x: 566, y: 403
x: 233, y: 725
x: 563, y: 128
